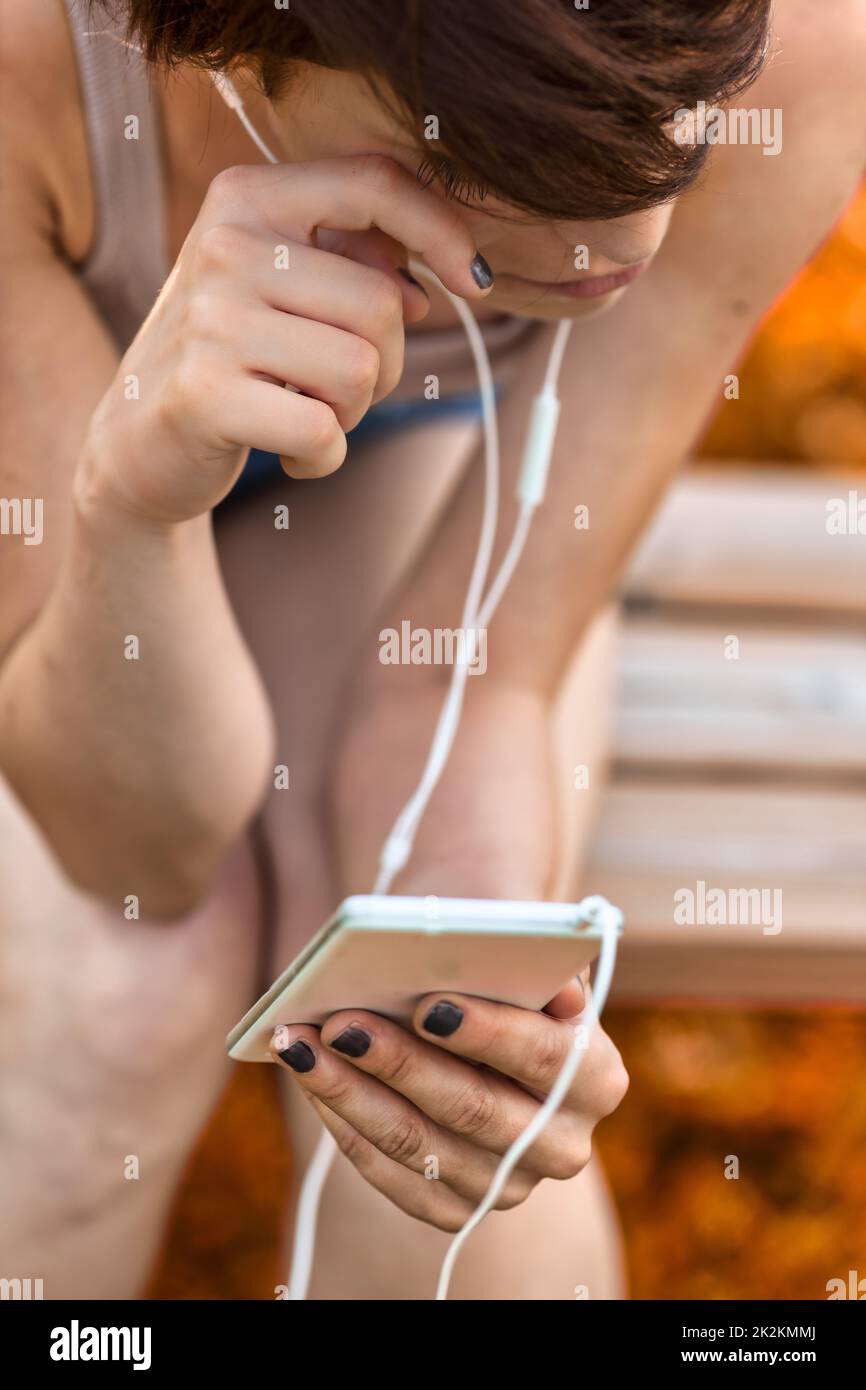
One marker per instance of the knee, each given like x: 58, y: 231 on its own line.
x: 110, y: 1006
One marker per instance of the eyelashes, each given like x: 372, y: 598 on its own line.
x: 453, y: 184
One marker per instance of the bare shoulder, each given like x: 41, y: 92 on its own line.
x: 43, y: 147
x: 830, y: 38
x: 817, y: 70
x: 787, y: 156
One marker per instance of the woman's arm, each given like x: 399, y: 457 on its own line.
x: 637, y: 385
x: 134, y: 725
x: 133, y: 801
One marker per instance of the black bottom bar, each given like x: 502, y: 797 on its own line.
x: 257, y: 1342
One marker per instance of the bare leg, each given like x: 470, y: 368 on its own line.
x: 560, y: 1245
x: 111, y: 1035
x: 303, y: 606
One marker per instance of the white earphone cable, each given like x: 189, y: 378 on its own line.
x: 609, y: 919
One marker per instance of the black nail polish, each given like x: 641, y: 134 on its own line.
x: 407, y: 275
x: 443, y: 1019
x: 300, y: 1056
x: 353, y: 1041
x: 481, y: 272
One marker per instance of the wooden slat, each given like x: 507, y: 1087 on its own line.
x: 793, y: 700
x: 756, y: 538
x: 652, y: 841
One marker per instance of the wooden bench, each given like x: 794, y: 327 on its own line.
x: 739, y: 743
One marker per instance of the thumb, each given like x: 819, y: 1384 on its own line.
x: 567, y: 1002
x: 381, y: 252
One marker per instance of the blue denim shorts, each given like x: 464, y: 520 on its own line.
x: 382, y: 419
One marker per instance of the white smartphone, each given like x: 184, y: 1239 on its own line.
x: 381, y: 953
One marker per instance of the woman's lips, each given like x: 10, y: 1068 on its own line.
x: 592, y: 287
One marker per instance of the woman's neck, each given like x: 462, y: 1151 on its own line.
x: 201, y: 136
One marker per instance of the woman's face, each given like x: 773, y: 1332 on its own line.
x: 542, y: 269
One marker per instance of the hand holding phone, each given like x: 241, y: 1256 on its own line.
x: 445, y: 1096
x: 453, y: 1088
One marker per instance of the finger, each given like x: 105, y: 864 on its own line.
x: 372, y: 301
x: 355, y: 193
x: 380, y: 252
x: 423, y: 1197
x: 567, y: 1002
x: 529, y: 1047
x: 304, y: 431
x: 336, y: 367
x: 391, y: 1123
x: 477, y: 1104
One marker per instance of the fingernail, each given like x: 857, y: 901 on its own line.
x: 407, y: 275
x: 300, y: 1056
x: 443, y: 1019
x: 481, y: 272
x: 353, y: 1041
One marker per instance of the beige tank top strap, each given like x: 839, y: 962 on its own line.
x: 127, y: 263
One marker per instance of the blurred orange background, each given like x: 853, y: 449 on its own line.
x: 781, y: 1089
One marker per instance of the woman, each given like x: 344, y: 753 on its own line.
x: 167, y: 646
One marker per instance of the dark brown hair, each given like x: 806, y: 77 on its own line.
x: 563, y: 113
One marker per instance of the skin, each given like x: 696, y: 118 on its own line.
x: 149, y: 784
x: 521, y: 250
x: 411, y: 1102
